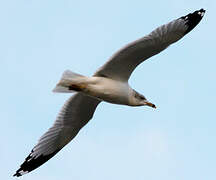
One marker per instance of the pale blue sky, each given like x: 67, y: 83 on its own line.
x: 41, y: 39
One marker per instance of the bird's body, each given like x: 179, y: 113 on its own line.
x: 109, y: 90
x: 109, y: 83
x: 102, y: 88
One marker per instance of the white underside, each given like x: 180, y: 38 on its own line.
x: 109, y: 90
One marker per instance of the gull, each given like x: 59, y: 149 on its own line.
x: 109, y: 83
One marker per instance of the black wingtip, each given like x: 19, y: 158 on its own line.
x: 193, y: 19
x: 32, y: 163
x: 17, y: 174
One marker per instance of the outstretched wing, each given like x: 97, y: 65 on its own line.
x: 76, y: 112
x: 122, y: 63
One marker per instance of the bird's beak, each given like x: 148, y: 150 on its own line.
x: 150, y: 104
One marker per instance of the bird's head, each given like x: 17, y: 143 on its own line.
x: 140, y: 100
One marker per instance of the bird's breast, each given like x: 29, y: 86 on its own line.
x: 108, y: 90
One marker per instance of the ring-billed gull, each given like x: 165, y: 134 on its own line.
x: 109, y: 83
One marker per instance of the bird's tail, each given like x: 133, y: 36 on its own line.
x: 70, y: 82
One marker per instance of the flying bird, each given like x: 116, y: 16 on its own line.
x: 109, y: 83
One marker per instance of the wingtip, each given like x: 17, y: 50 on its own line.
x: 19, y: 173
x: 32, y: 163
x: 201, y: 12
x: 192, y: 19
x: 16, y: 175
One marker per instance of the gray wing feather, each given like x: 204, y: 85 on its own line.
x: 76, y: 112
x: 122, y: 63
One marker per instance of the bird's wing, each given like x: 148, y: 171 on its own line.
x: 76, y: 112
x: 122, y: 63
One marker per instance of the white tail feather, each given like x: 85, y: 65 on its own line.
x: 68, y: 78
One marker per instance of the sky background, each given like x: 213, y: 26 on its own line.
x: 40, y: 39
